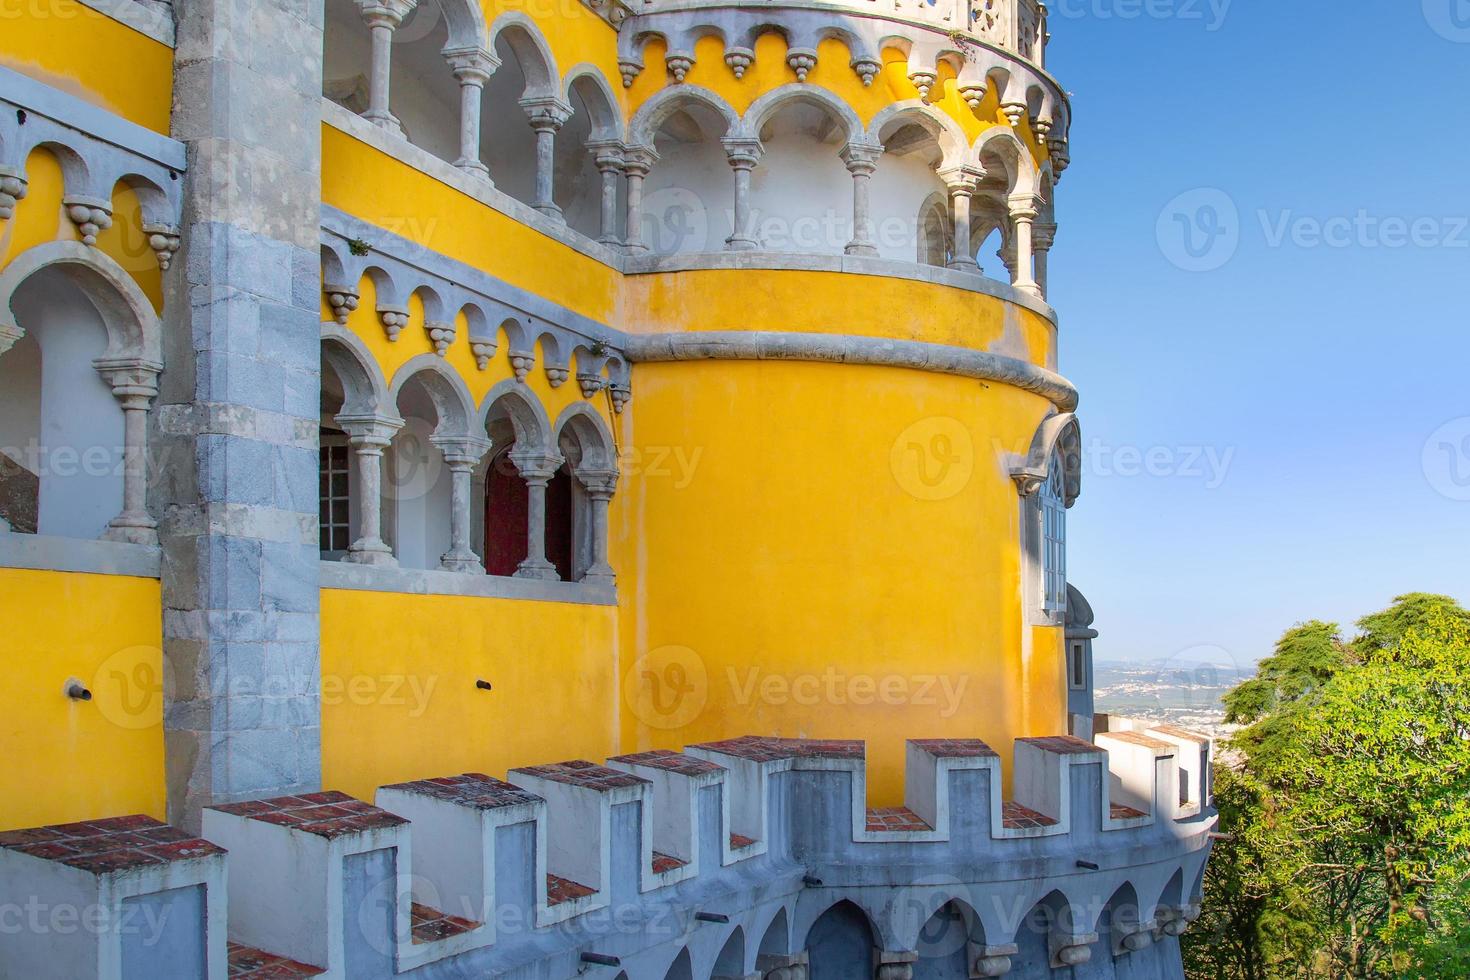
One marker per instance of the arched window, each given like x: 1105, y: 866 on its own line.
x: 1054, y: 538
x: 936, y: 235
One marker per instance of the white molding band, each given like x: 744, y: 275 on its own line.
x: 416, y: 581
x: 97, y: 123
x: 46, y: 553
x: 739, y: 345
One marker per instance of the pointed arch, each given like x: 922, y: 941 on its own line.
x: 466, y: 22
x: 510, y: 399
x: 1057, y: 439
x: 597, y: 94
x: 589, y: 435
x: 953, y: 145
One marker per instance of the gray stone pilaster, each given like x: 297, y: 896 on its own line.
x: 240, y: 408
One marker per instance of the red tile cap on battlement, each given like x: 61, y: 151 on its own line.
x: 473, y: 789
x: 330, y: 814
x: 1140, y: 738
x: 1014, y: 816
x: 955, y: 748
x: 1178, y: 732
x: 895, y: 818
x: 757, y: 748
x: 669, y: 761
x: 587, y: 775
x: 1061, y: 744
x: 113, y: 846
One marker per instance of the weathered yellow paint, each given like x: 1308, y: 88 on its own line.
x: 574, y: 34
x: 399, y: 697
x: 436, y: 216
x: 71, y: 760
x: 40, y: 218
x: 82, y: 52
x: 853, y: 523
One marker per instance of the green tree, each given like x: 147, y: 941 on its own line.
x: 1349, y: 810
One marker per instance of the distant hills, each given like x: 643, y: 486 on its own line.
x: 1183, y: 691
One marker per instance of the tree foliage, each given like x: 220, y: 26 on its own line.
x: 1349, y: 813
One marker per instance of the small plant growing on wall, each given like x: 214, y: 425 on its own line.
x: 359, y: 246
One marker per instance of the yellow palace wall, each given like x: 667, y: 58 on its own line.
x: 786, y: 561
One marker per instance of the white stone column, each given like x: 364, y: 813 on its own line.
x: 383, y: 17
x: 637, y: 162
x: 1023, y: 215
x: 1042, y: 238
x: 608, y: 156
x: 962, y: 183
x: 599, y: 485
x: 462, y: 456
x: 536, y: 467
x: 134, y: 382
x: 369, y: 436
x: 743, y: 154
x: 861, y: 160
x: 472, y: 69
x: 547, y: 115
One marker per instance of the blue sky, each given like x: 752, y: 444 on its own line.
x: 1306, y: 403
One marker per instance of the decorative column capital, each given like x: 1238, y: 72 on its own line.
x: 370, y: 430
x: 861, y: 159
x: 600, y: 484
x: 639, y: 160
x: 385, y: 13
x: 536, y: 466
x: 1024, y: 207
x: 91, y: 215
x: 547, y: 113
x: 608, y: 155
x: 994, y: 961
x: 131, y: 378
x: 343, y: 300
x: 461, y: 452
x: 1043, y: 236
x: 471, y: 66
x: 743, y: 152
x: 13, y: 188
x: 964, y: 179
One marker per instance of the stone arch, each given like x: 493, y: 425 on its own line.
x: 765, y: 108
x: 446, y: 390
x: 1121, y: 924
x: 776, y: 937
x: 581, y: 424
x: 651, y: 116
x: 512, y: 400
x: 1000, y: 147
x: 730, y: 963
x: 682, y: 968
x: 936, y: 232
x: 1059, y: 437
x: 532, y: 53
x: 1052, y: 915
x: 466, y: 22
x: 947, y: 134
x: 947, y: 941
x: 153, y: 199
x: 597, y: 94
x: 364, y: 390
x: 133, y: 328
x: 76, y: 173
x: 841, y: 943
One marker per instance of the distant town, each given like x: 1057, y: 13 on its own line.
x: 1187, y: 694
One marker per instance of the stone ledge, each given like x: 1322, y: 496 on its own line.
x: 415, y: 581
x: 70, y: 111
x: 47, y: 553
x: 850, y: 264
x: 150, y: 20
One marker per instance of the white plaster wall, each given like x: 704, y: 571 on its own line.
x: 801, y: 194
x: 80, y: 452
x: 507, y: 142
x: 419, y: 489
